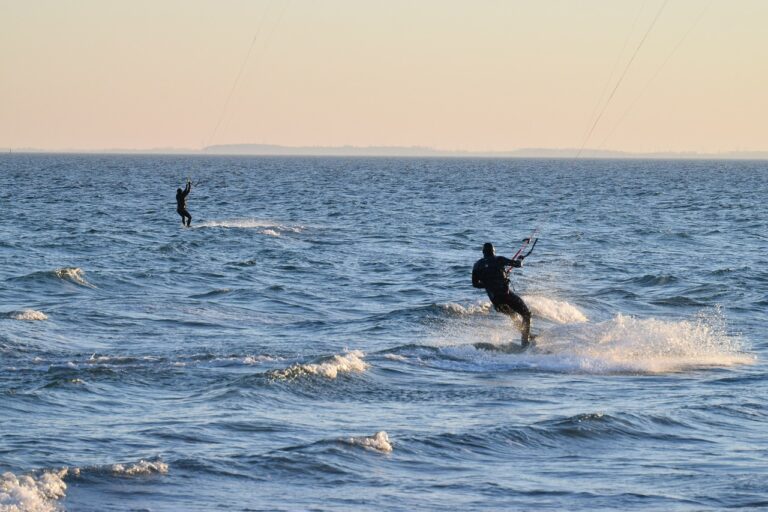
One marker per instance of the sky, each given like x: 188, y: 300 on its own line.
x: 469, y: 75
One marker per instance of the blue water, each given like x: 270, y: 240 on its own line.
x: 307, y: 344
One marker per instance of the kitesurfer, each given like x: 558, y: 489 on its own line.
x: 492, y: 273
x: 181, y: 204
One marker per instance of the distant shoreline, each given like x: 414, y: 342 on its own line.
x: 406, y: 152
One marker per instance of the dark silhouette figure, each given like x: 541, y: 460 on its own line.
x: 492, y: 273
x: 181, y: 204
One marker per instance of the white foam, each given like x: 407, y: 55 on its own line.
x: 350, y: 362
x: 32, y: 493
x: 142, y: 467
x: 257, y: 359
x: 28, y: 315
x: 73, y: 274
x: 378, y: 442
x: 623, y: 344
x: 556, y: 311
x: 472, y: 309
x: 265, y: 227
x: 629, y: 344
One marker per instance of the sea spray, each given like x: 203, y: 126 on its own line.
x: 557, y: 311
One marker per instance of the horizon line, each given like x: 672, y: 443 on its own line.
x: 249, y: 149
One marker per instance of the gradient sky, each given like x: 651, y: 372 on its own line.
x: 462, y: 75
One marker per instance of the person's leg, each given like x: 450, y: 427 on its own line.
x: 511, y: 304
x: 519, y: 307
x: 181, y: 213
x: 188, y: 217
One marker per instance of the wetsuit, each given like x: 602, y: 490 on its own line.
x: 491, y: 273
x: 181, y: 204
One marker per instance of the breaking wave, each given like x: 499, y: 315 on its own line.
x: 330, y: 368
x: 27, y: 315
x: 33, y: 492
x: 142, y: 467
x: 378, y: 442
x: 40, y: 491
x: 73, y: 275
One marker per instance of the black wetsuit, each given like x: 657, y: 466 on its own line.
x: 181, y: 204
x: 491, y: 273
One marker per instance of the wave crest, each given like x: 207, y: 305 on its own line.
x: 32, y: 493
x: 74, y: 275
x: 378, y: 442
x: 350, y: 362
x: 27, y: 315
x: 142, y: 467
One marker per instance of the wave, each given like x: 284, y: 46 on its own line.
x: 330, y: 368
x: 140, y: 468
x: 40, y: 491
x: 32, y: 492
x: 580, y: 431
x: 213, y: 293
x: 378, y: 442
x: 27, y: 315
x: 265, y: 227
x: 650, y: 280
x: 73, y: 275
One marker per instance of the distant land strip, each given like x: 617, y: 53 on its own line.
x: 409, y: 151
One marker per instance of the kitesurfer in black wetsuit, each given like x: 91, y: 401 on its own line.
x: 492, y: 273
x: 181, y: 204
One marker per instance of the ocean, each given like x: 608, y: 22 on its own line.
x: 308, y: 343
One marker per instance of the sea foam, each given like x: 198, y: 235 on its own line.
x: 27, y: 315
x: 74, y: 275
x: 33, y: 492
x: 621, y: 345
x: 142, y: 467
x: 350, y: 362
x: 265, y: 227
x: 378, y: 442
x: 646, y: 345
x: 40, y: 491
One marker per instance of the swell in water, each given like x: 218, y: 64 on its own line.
x: 315, y: 350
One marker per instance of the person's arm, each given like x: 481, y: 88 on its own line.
x: 511, y: 263
x: 476, y: 282
x: 187, y: 188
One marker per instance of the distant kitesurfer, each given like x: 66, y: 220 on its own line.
x: 492, y: 273
x: 181, y: 204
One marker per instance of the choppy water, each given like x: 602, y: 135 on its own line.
x: 308, y: 343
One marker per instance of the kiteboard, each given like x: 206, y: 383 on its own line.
x: 507, y: 348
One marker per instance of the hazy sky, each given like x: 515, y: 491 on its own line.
x: 449, y: 74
